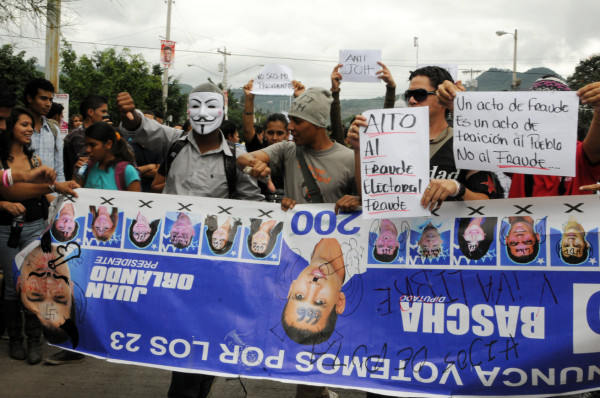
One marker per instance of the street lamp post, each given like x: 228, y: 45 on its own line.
x: 514, y: 76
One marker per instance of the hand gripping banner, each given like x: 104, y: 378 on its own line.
x: 485, y: 298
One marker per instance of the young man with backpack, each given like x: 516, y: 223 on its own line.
x: 199, y: 167
x: 200, y: 163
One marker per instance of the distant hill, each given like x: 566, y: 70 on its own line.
x: 501, y: 79
x: 185, y: 88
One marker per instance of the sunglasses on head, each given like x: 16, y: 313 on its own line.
x: 278, y: 133
x: 420, y: 94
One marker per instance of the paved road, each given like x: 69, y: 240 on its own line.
x: 96, y: 378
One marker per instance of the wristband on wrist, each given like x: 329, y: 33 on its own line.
x: 249, y: 113
x: 7, y: 179
x: 52, y: 188
x: 460, y: 190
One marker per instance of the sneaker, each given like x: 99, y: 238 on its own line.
x: 332, y: 394
x: 64, y: 357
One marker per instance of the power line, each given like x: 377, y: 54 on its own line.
x: 391, y: 62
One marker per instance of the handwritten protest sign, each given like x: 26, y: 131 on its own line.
x: 518, y: 132
x: 394, y: 162
x: 360, y: 65
x: 273, y: 79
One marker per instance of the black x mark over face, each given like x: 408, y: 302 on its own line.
x: 145, y: 204
x: 523, y: 209
x: 225, y: 210
x: 265, y: 213
x: 574, y: 207
x: 476, y: 210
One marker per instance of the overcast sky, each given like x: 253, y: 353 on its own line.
x: 307, y: 35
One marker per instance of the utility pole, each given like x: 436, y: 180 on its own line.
x: 416, y: 44
x: 52, y: 41
x: 472, y: 83
x: 225, y: 93
x: 165, y: 82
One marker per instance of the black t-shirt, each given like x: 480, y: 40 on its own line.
x: 144, y: 156
x: 254, y: 144
x: 442, y: 166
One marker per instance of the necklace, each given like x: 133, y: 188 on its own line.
x: 440, y: 137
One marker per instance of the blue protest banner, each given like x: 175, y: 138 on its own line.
x: 488, y: 298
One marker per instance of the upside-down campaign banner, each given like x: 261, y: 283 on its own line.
x: 486, y: 298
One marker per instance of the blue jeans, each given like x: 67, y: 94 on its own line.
x: 31, y: 231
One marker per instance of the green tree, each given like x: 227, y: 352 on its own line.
x: 588, y: 71
x: 15, y: 70
x: 108, y: 73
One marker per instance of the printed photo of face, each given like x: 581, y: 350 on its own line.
x: 65, y: 228
x: 522, y: 241
x: 574, y: 248
x: 476, y: 235
x: 182, y: 231
x: 385, y: 248
x: 220, y: 237
x: 263, y: 236
x: 315, y: 298
x: 430, y: 243
x: 104, y: 223
x: 167, y: 55
x: 206, y: 110
x: 142, y: 231
x: 46, y: 289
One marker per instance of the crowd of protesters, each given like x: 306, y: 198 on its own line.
x: 206, y: 157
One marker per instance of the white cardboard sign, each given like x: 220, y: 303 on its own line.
x: 360, y: 65
x: 530, y: 132
x: 394, y: 162
x: 273, y: 79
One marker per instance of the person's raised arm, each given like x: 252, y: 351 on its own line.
x: 157, y: 137
x: 248, y: 115
x: 590, y: 95
x: 446, y: 92
x: 130, y: 119
x: 335, y: 112
x: 298, y: 88
x: 390, y: 91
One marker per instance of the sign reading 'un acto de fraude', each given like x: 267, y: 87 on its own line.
x: 458, y: 304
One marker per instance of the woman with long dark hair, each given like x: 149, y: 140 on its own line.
x: 16, y: 154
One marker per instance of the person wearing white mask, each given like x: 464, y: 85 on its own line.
x: 201, y: 163
x: 199, y: 160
